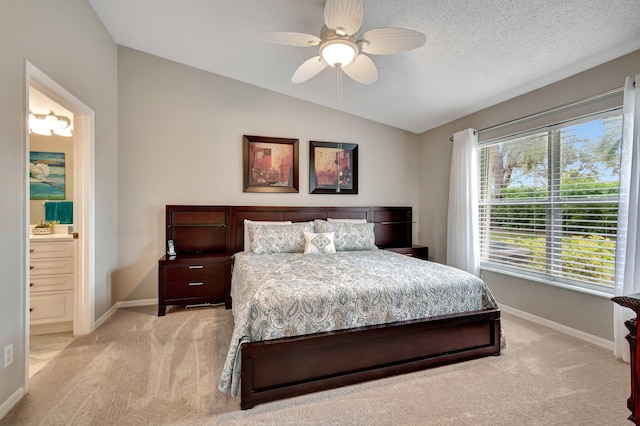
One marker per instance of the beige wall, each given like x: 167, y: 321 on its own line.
x: 180, y: 142
x: 180, y: 133
x: 66, y: 41
x: 591, y: 314
x: 53, y: 143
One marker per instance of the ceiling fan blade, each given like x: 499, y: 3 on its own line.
x: 289, y: 38
x: 384, y: 41
x: 362, y: 70
x: 308, y: 69
x: 345, y: 14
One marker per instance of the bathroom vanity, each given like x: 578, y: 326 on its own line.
x: 51, y: 282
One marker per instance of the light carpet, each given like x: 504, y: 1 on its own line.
x: 141, y: 369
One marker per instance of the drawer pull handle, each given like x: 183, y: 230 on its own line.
x: 198, y: 283
x: 196, y: 266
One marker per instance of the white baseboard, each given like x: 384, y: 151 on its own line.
x: 139, y: 302
x: 11, y: 401
x: 123, y: 304
x: 598, y: 341
x: 105, y: 316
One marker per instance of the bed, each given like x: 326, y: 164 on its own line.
x: 315, y: 346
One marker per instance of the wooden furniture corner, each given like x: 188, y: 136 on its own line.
x: 632, y: 301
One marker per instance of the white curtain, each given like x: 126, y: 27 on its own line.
x: 463, y: 238
x: 627, y: 276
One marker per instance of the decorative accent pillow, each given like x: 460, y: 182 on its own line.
x: 349, y: 236
x: 330, y: 219
x: 288, y: 238
x: 247, y: 240
x: 319, y: 243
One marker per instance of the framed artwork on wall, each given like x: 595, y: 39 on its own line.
x: 270, y: 164
x: 46, y: 175
x: 333, y: 168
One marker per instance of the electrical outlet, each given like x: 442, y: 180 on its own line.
x: 8, y: 355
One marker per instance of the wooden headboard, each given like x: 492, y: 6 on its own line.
x: 220, y: 229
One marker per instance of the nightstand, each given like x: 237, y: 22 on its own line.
x: 201, y: 271
x: 193, y: 279
x: 420, y: 252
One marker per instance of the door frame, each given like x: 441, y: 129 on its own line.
x: 84, y: 205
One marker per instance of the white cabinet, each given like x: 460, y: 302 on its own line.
x: 51, y: 280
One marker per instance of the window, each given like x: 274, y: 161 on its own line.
x: 548, y: 201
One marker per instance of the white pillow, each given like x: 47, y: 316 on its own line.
x: 247, y: 239
x: 347, y: 220
x: 319, y: 243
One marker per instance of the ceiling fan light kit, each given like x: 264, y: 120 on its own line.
x: 338, y: 52
x: 339, y: 46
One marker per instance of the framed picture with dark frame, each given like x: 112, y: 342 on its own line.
x: 333, y: 168
x: 270, y: 164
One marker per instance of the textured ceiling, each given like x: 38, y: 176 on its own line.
x: 478, y: 52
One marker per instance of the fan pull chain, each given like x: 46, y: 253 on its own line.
x: 340, y: 135
x: 339, y: 68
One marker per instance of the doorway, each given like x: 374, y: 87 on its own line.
x: 82, y: 314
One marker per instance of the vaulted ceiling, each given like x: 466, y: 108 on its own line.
x: 478, y: 52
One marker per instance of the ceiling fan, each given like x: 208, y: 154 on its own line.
x: 339, y: 46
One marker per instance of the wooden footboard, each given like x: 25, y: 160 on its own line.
x: 282, y: 368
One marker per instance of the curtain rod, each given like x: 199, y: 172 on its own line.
x: 546, y: 111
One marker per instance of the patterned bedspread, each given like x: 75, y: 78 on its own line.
x: 290, y: 294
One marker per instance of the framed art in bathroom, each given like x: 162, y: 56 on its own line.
x: 47, y: 175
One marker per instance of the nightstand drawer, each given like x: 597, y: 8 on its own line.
x: 194, y: 289
x: 195, y: 272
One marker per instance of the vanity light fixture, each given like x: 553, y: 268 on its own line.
x: 48, y: 124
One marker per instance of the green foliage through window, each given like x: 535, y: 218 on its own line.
x: 548, y: 201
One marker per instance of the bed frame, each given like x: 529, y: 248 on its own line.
x: 281, y: 368
x: 292, y: 366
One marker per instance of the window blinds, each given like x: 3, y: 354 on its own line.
x: 548, y: 200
